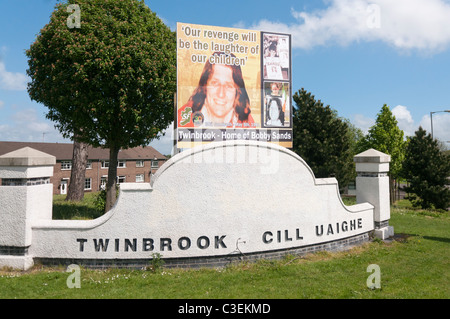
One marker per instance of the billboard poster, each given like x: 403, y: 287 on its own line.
x: 232, y: 84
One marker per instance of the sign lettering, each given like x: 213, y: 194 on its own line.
x: 166, y: 244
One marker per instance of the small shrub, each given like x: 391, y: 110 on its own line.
x: 100, y: 201
x: 156, y: 263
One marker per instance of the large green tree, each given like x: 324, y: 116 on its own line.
x: 322, y: 139
x: 110, y: 79
x: 385, y: 136
x: 426, y: 169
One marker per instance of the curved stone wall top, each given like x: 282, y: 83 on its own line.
x: 210, y: 201
x: 233, y: 152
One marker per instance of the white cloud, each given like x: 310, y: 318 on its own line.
x: 27, y: 120
x: 363, y: 122
x: 404, y: 119
x: 165, y: 143
x: 4, y: 128
x: 441, y: 126
x: 12, y: 81
x: 422, y: 25
x: 25, y: 125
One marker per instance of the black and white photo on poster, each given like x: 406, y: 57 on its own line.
x: 276, y: 56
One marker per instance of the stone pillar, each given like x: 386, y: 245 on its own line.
x: 372, y: 185
x: 25, y: 196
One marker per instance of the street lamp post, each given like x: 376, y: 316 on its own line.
x: 431, y: 118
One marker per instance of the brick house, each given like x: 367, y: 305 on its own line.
x: 136, y: 165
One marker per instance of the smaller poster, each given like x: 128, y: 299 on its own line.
x: 276, y: 56
x: 277, y: 104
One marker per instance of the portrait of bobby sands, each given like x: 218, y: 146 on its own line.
x: 221, y: 96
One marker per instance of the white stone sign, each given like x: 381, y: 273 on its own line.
x: 226, y: 199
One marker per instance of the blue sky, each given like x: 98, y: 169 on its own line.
x: 354, y: 55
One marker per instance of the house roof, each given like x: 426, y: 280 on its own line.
x: 63, y: 151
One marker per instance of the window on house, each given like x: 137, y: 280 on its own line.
x: 120, y: 179
x: 88, y: 184
x: 89, y: 164
x: 155, y: 164
x: 139, y: 178
x: 105, y: 164
x: 103, y: 180
x: 65, y: 165
x: 140, y: 163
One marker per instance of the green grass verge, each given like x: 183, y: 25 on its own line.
x: 414, y: 265
x: 86, y: 209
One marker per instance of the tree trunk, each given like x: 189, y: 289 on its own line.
x: 77, y: 176
x: 391, y: 191
x: 112, y: 175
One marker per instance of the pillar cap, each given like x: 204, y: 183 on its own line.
x: 27, y: 156
x: 372, y: 156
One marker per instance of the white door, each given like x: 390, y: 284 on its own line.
x: 63, y: 187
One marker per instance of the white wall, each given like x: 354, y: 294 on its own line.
x: 244, y: 195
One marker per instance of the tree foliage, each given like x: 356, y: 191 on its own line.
x: 110, y: 82
x: 426, y: 169
x: 323, y: 139
x: 385, y: 136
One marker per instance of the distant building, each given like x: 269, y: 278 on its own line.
x: 136, y: 165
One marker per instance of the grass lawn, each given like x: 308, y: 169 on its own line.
x: 86, y: 209
x: 416, y: 264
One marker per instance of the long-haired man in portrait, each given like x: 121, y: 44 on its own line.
x: 220, y: 96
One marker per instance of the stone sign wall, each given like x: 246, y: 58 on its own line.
x: 208, y: 205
